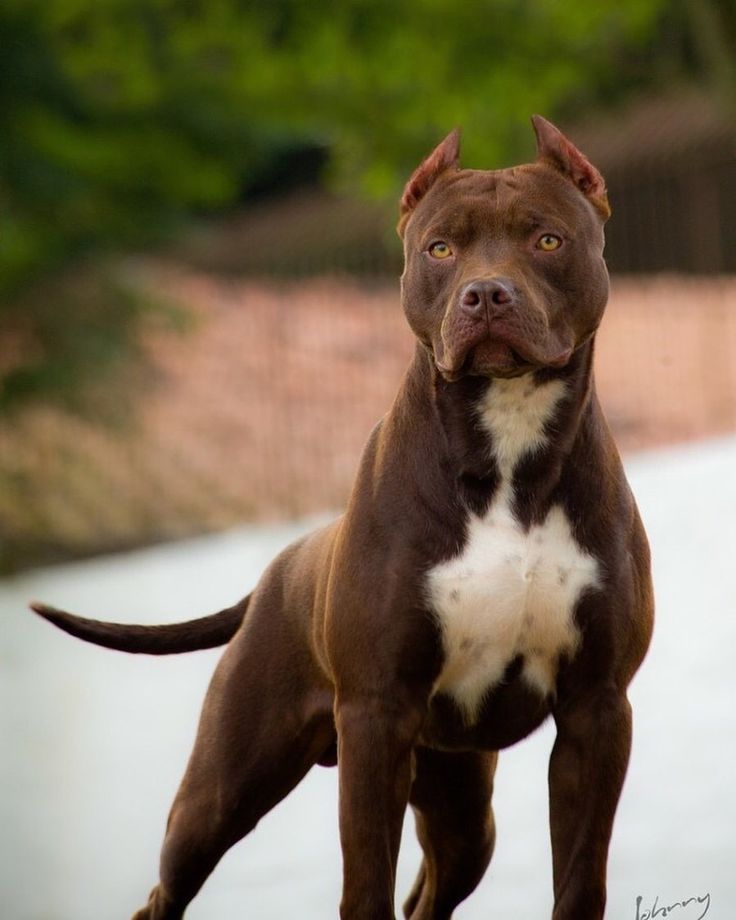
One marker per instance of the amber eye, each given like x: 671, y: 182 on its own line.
x: 440, y: 250
x: 549, y: 242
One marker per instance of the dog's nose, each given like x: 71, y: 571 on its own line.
x: 486, y: 296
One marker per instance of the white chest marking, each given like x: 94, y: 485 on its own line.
x: 510, y: 592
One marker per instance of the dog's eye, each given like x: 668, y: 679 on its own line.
x: 440, y: 250
x: 549, y: 242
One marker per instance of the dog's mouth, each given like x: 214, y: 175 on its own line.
x: 497, y: 359
x: 487, y: 359
x: 499, y: 356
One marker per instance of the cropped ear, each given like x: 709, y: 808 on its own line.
x: 554, y: 148
x: 445, y: 155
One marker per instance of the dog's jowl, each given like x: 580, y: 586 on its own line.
x: 490, y: 571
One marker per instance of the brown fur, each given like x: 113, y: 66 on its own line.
x: 338, y: 652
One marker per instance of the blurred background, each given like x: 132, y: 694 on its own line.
x: 199, y: 304
x: 199, y: 326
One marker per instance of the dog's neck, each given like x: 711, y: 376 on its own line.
x: 520, y: 431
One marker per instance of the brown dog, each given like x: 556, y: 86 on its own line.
x: 490, y: 570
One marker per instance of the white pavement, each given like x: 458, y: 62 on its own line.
x: 94, y: 742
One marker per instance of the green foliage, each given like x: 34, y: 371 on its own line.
x: 120, y: 117
x: 113, y: 126
x: 387, y: 85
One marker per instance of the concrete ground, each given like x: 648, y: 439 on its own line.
x: 94, y: 742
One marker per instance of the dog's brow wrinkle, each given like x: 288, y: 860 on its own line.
x: 507, y: 194
x: 455, y: 224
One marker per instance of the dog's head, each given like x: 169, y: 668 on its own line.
x: 504, y: 269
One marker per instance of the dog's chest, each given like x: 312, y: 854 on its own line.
x: 510, y: 592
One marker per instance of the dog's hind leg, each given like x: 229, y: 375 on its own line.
x: 451, y: 798
x: 266, y: 720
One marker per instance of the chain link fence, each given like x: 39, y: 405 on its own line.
x: 292, y: 345
x: 257, y: 409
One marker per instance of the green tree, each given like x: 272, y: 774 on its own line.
x: 118, y: 118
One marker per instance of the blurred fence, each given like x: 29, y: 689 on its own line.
x: 259, y: 406
x: 260, y: 409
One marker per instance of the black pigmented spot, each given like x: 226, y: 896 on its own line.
x: 476, y: 491
x: 513, y: 669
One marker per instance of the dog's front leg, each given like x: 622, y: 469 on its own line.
x: 376, y: 738
x: 586, y: 774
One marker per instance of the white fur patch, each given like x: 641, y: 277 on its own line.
x: 515, y: 412
x: 510, y: 592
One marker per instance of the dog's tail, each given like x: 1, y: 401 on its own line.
x: 168, y: 639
